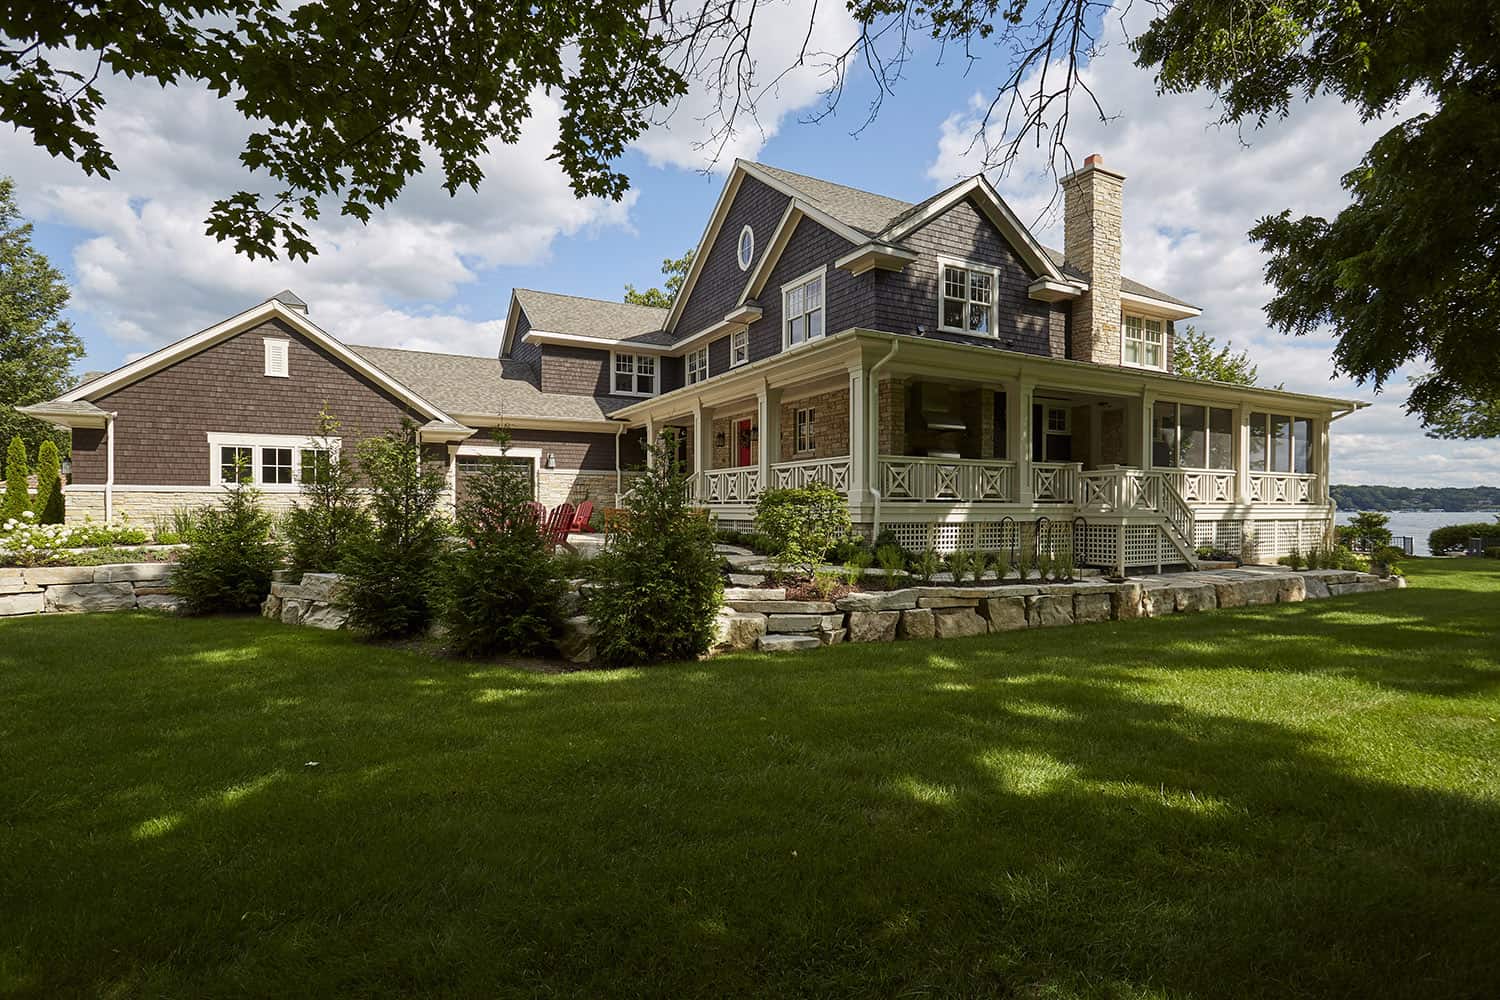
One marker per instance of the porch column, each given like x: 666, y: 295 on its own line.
x: 1242, y: 453
x: 1018, y: 431
x: 1321, y: 460
x: 653, y: 430
x: 702, y: 450
x: 1148, y: 403
x: 861, y: 428
x: 768, y: 426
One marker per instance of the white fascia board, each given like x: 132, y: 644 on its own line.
x: 204, y: 339
x: 599, y: 343
x: 817, y: 214
x: 1159, y: 308
x: 710, y: 233
x: 999, y: 213
x: 603, y: 425
x: 1048, y: 290
x: 876, y: 254
x: 785, y: 226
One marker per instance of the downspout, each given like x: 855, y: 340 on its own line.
x: 874, y: 446
x: 619, y: 478
x: 109, y: 467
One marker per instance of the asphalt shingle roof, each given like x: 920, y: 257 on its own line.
x: 599, y: 318
x: 468, y: 385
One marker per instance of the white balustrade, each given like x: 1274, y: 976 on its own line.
x: 905, y: 478
x: 832, y: 472
x: 1284, y: 487
x: 732, y: 485
x: 1055, y: 482
x: 1202, y: 485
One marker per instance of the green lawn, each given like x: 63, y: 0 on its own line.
x: 1300, y: 800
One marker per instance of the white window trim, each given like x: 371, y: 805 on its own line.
x: 812, y: 429
x: 970, y: 265
x: 687, y: 366
x: 739, y: 257
x: 734, y: 336
x: 271, y: 347
x: 1140, y: 364
x: 794, y: 284
x: 634, y: 373
x: 297, y: 442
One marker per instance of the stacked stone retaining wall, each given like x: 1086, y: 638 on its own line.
x: 59, y: 589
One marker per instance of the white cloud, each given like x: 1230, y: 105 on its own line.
x: 694, y: 137
x: 147, y: 274
x: 1192, y: 193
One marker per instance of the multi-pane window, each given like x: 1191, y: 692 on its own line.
x: 635, y: 374
x: 1280, y: 443
x: 807, y: 422
x: 1144, y: 342
x: 697, y: 366
x: 802, y: 309
x: 236, y: 464
x: 739, y: 347
x: 1187, y: 436
x: 316, y: 463
x: 276, y: 466
x: 968, y: 304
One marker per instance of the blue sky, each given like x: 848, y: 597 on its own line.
x: 436, y: 273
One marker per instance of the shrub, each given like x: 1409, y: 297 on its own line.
x: 803, y: 524
x: 228, y: 565
x: 48, y: 503
x: 926, y: 565
x: 1370, y: 530
x: 892, y: 563
x: 502, y: 591
x: 1001, y: 562
x: 658, y: 586
x: 17, y: 499
x: 324, y: 527
x: 855, y: 566
x: 388, y: 573
x: 1493, y: 552
x: 1455, y: 537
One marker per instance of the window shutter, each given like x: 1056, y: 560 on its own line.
x: 276, y: 357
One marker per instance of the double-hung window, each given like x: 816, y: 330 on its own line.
x: 968, y: 299
x: 273, y: 461
x: 739, y: 347
x: 1144, y: 342
x: 635, y: 374
x: 697, y: 366
x: 802, y: 309
x: 807, y: 426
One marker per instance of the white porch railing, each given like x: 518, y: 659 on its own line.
x: 1122, y: 490
x: 732, y: 485
x: 829, y: 471
x: 1284, y: 487
x: 904, y: 478
x: 1055, y: 482
x: 1203, y: 485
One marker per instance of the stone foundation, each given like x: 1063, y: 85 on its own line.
x: 137, y: 508
x: 64, y: 589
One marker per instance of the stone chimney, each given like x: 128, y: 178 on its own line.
x: 1091, y: 241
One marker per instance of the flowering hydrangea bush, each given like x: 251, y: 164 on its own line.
x: 24, y: 542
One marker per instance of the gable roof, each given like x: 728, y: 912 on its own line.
x: 595, y: 319
x: 865, y: 211
x: 273, y: 308
x: 472, y: 386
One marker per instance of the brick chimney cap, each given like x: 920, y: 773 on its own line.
x: 1094, y: 160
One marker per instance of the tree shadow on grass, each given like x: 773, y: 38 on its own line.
x: 1127, y: 809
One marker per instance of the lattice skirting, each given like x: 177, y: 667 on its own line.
x: 1268, y: 539
x: 987, y: 536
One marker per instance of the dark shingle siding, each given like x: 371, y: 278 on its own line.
x: 526, y: 353
x: 164, y: 418
x: 720, y: 282
x: 574, y: 449
x: 905, y: 301
x: 577, y: 371
x: 845, y: 298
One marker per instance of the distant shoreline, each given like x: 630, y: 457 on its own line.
x: 1418, y: 499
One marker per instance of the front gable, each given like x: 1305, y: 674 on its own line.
x: 716, y: 281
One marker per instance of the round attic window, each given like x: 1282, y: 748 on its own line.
x: 747, y: 248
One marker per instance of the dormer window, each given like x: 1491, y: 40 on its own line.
x: 968, y: 299
x: 1143, y: 342
x: 747, y: 248
x: 276, y: 357
x: 635, y: 375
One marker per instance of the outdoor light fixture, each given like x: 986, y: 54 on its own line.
x: 551, y: 460
x: 719, y: 439
x: 67, y: 466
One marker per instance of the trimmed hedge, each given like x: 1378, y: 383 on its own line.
x: 1455, y: 537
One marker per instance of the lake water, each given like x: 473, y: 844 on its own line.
x: 1419, y: 523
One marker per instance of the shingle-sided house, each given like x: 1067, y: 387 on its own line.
x: 932, y: 362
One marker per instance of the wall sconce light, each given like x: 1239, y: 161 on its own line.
x: 67, y: 466
x: 551, y: 460
x: 719, y: 439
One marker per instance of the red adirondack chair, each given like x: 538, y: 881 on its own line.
x: 556, y: 531
x: 584, y: 515
x: 538, y: 514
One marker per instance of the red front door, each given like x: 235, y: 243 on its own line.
x: 742, y: 442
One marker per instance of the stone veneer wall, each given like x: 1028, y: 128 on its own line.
x: 117, y: 587
x: 892, y: 433
x: 830, y: 426
x: 1092, y: 228
x: 140, y: 506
